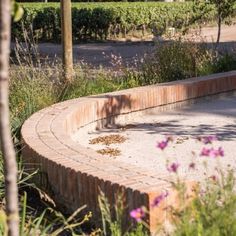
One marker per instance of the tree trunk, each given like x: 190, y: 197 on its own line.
x: 7, y: 148
x: 67, y: 48
x: 219, y: 29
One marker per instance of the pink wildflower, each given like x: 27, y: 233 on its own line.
x: 163, y: 144
x: 211, y: 152
x: 159, y: 199
x: 173, y: 167
x: 208, y: 139
x: 138, y: 214
x: 220, y: 152
x: 205, y: 151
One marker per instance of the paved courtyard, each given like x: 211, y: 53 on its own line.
x: 215, y: 116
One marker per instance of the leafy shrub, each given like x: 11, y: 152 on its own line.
x: 107, y: 20
x: 176, y: 60
x: 225, y: 62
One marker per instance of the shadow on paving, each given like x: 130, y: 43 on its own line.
x: 178, y: 126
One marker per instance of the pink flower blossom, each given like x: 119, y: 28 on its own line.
x: 138, y: 214
x: 157, y: 200
x: 163, y: 144
x: 205, y: 151
x: 208, y: 139
x: 173, y: 167
x: 221, y: 152
x: 211, y: 152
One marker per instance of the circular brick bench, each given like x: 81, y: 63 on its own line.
x: 74, y: 174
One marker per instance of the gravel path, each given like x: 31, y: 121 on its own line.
x: 210, y: 117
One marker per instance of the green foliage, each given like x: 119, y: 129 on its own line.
x: 85, y: 83
x: 17, y: 11
x: 113, y: 225
x: 201, y: 11
x: 212, y: 212
x: 99, y: 21
x: 32, y: 85
x: 175, y: 61
x: 84, y: 86
x: 3, y: 223
x: 30, y: 91
x: 224, y: 8
x: 48, y: 222
x: 225, y: 62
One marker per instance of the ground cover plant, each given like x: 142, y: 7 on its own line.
x: 101, y: 21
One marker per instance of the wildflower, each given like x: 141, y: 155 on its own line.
x: 157, y: 200
x: 220, y: 152
x: 208, y: 139
x: 163, y: 144
x: 205, y: 151
x: 138, y: 213
x: 211, y: 152
x: 173, y: 167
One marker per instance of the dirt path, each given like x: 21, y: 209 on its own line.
x: 99, y: 54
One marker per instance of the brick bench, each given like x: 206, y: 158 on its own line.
x: 73, y: 174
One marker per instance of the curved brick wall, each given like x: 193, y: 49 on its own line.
x: 73, y: 174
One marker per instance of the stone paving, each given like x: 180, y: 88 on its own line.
x: 215, y: 116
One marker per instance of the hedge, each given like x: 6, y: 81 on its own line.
x: 100, y: 21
